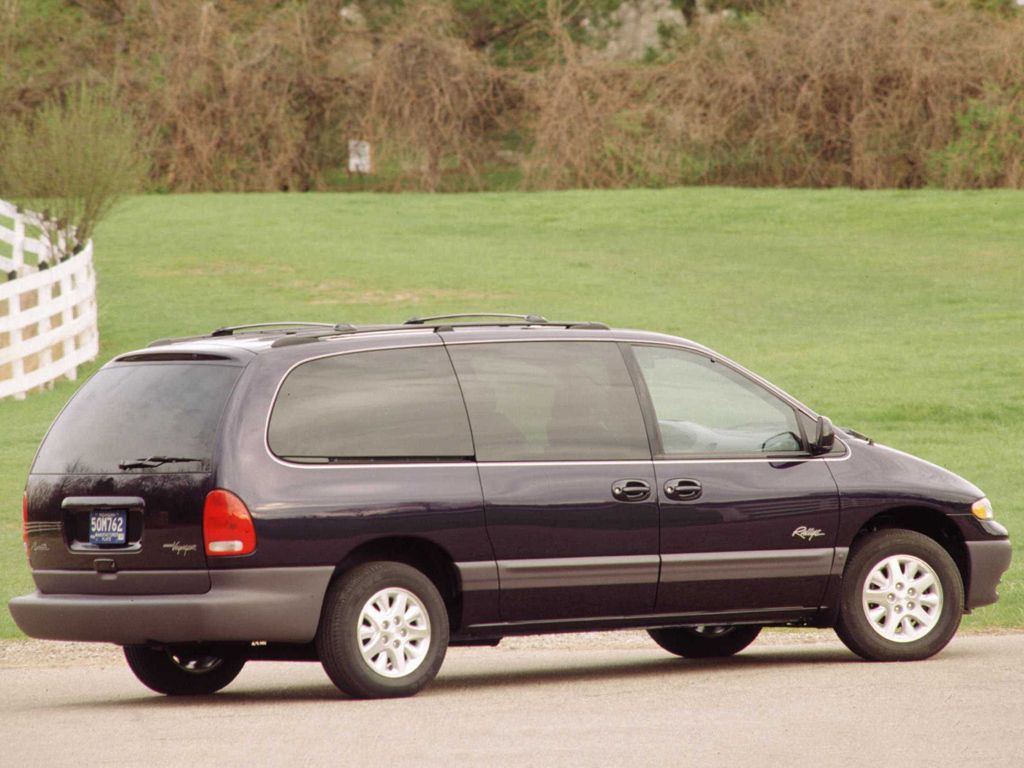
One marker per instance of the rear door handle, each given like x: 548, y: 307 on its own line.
x: 631, y: 490
x: 683, y: 489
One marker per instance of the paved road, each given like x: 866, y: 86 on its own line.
x: 573, y: 701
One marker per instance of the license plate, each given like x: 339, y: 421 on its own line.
x: 108, y: 527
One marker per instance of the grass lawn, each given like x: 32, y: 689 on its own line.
x: 898, y: 313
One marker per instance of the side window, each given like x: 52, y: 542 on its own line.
x: 705, y: 407
x: 390, y: 404
x: 551, y: 400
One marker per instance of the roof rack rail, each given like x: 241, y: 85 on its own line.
x: 528, y: 319
x: 229, y: 330
x: 292, y: 333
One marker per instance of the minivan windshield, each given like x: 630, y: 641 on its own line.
x: 126, y: 415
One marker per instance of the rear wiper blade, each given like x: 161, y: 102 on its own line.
x: 154, y: 461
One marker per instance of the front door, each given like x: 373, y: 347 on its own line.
x: 748, y: 517
x: 568, y: 482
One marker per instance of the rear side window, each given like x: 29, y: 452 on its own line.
x: 138, y: 411
x: 365, y: 406
x: 550, y: 401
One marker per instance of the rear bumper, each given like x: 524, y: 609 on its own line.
x: 273, y: 604
x: 988, y: 561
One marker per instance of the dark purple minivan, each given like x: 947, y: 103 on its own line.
x: 366, y: 496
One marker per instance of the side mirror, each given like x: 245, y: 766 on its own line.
x: 824, y: 437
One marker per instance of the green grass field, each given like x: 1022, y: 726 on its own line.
x: 898, y: 313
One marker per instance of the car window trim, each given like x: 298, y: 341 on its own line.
x: 651, y: 419
x: 585, y: 339
x: 386, y: 461
x: 840, y: 453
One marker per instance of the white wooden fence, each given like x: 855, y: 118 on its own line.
x: 47, y: 304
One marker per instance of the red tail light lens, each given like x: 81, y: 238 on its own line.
x: 227, y: 525
x: 24, y: 520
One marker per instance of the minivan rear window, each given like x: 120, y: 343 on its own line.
x: 138, y: 411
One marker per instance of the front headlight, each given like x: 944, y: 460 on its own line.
x: 982, y: 509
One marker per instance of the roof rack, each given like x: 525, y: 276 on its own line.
x: 229, y: 330
x: 291, y: 333
x: 527, y: 319
x: 437, y: 324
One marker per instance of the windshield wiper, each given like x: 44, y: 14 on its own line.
x: 858, y: 435
x: 154, y: 461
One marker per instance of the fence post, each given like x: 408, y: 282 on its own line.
x: 44, y: 295
x: 65, y: 319
x: 18, y: 246
x: 16, y: 334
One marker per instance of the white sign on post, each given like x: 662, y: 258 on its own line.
x: 360, y: 157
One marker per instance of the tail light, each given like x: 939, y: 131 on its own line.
x: 24, y: 520
x: 227, y: 525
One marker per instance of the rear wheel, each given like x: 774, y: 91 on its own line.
x: 706, y: 641
x: 902, y: 597
x: 190, y: 672
x: 383, y: 632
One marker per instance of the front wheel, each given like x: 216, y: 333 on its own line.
x: 707, y: 641
x: 195, y: 671
x: 902, y: 597
x: 383, y: 632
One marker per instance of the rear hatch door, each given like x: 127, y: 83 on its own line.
x: 115, y: 497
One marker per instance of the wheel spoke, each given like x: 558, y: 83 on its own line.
x: 398, y: 604
x: 417, y: 633
x: 875, y: 584
x: 397, y: 656
x: 875, y: 595
x: 381, y: 662
x: 414, y: 652
x: 374, y: 647
x: 923, y: 583
x: 925, y: 621
x: 895, y: 570
x: 412, y: 614
x: 891, y: 622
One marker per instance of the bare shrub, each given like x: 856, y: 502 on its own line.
x: 72, y: 161
x: 433, y: 100
x: 851, y: 92
x: 585, y: 118
x: 234, y: 95
x: 847, y: 93
x: 258, y: 109
x: 264, y: 94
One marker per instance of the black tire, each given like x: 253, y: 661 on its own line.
x: 706, y: 642
x: 341, y: 649
x: 192, y: 672
x: 857, y: 631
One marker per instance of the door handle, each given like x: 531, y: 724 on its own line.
x: 683, y: 489
x: 631, y: 490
